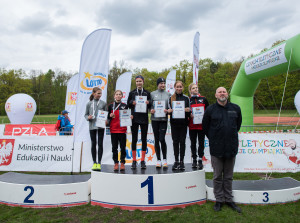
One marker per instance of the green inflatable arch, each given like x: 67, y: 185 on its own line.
x: 274, y: 61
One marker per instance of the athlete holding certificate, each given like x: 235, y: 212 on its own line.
x: 94, y: 106
x: 117, y: 133
x: 135, y: 101
x: 198, y: 104
x: 179, y: 124
x: 159, y: 120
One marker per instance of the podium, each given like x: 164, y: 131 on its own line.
x: 44, y: 191
x: 147, y: 189
x: 274, y: 191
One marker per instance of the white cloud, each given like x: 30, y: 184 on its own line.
x: 155, y: 34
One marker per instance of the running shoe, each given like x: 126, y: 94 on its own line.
x: 94, y: 166
x: 175, y: 165
x: 133, y: 165
x: 158, y: 164
x: 165, y: 164
x: 98, y: 166
x: 143, y: 164
x: 116, y: 167
x: 200, y: 164
x: 122, y: 166
x: 181, y: 165
x: 194, y: 164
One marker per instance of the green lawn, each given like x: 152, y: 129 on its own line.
x: 274, y: 113
x: 289, y: 212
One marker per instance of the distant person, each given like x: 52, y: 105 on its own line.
x: 91, y: 112
x: 65, y: 123
x: 179, y: 121
x: 195, y: 130
x: 139, y: 110
x: 160, y: 122
x: 221, y: 123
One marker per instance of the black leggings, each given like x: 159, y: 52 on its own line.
x: 93, y: 134
x: 117, y: 138
x: 134, y: 133
x: 159, y: 131
x: 178, y: 137
x: 193, y: 137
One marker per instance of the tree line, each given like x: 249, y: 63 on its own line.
x: 49, y: 89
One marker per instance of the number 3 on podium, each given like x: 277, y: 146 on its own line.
x: 149, y: 182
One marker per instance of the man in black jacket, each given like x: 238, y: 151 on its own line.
x: 221, y: 123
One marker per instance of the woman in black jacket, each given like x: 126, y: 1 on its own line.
x: 179, y: 125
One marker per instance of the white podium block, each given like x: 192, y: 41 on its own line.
x: 149, y: 190
x: 44, y: 191
x: 254, y: 192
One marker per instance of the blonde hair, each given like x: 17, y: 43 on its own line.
x: 190, y: 86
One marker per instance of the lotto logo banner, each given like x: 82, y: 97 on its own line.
x: 48, y: 154
x: 6, y: 151
x: 30, y: 130
x: 94, y: 69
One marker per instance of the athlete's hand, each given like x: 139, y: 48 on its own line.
x: 187, y: 109
x: 152, y: 111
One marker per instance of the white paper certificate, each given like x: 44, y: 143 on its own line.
x: 178, y: 109
x: 198, y: 113
x: 101, y: 118
x: 141, y: 105
x: 159, y: 107
x: 125, y: 119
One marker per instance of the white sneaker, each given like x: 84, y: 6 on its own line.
x: 158, y: 164
x: 165, y: 164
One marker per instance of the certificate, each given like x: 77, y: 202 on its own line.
x: 178, y: 109
x: 101, y: 119
x: 198, y: 113
x: 141, y: 105
x: 125, y: 119
x: 159, y: 107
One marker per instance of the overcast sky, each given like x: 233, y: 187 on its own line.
x: 154, y: 34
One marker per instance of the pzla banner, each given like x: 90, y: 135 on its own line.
x: 170, y: 81
x: 93, y: 72
x: 196, y: 57
x: 124, y: 84
x: 71, y: 97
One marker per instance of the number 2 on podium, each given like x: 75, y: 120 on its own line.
x: 149, y: 182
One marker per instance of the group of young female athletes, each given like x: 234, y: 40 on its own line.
x: 140, y: 119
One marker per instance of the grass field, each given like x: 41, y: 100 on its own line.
x: 289, y: 212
